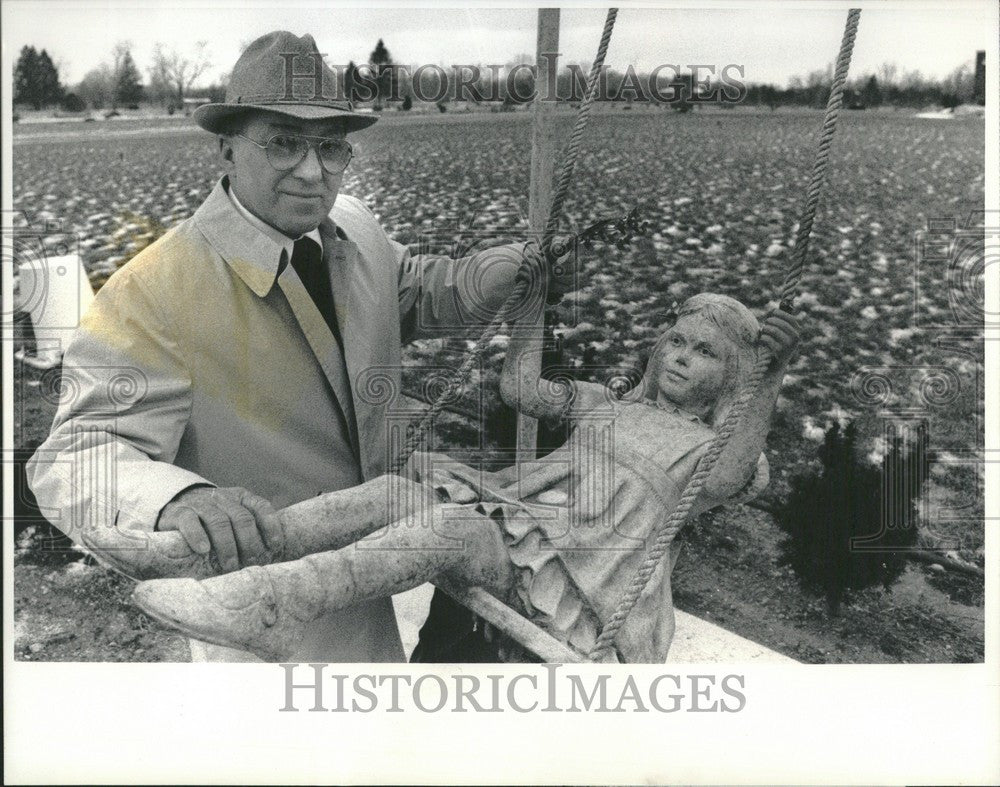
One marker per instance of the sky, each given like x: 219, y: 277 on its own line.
x: 772, y: 42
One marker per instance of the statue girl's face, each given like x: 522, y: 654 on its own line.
x: 692, y: 365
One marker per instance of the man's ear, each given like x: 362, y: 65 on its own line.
x: 227, y: 153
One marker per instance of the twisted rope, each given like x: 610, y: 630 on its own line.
x: 666, y: 532
x: 818, y: 179
x: 573, y: 147
x: 415, y: 432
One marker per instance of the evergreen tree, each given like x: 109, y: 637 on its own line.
x: 872, y: 93
x: 850, y: 524
x: 350, y: 77
x: 36, y: 79
x: 128, y: 87
x: 379, y: 60
x: 50, y: 90
x: 26, y: 78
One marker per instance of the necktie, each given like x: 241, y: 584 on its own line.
x: 307, y: 259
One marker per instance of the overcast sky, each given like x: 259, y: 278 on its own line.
x: 773, y: 42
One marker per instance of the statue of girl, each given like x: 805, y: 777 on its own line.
x: 558, y: 538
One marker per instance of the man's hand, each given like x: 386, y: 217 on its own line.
x: 780, y: 333
x: 561, y: 272
x: 559, y: 275
x: 240, y: 526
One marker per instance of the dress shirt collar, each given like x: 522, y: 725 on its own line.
x: 253, y: 255
x: 281, y: 240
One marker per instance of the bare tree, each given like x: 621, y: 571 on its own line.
x: 887, y: 73
x: 177, y: 72
x: 97, y: 87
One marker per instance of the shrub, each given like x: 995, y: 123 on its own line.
x: 849, y: 525
x: 442, y: 106
x: 73, y: 103
x: 407, y: 103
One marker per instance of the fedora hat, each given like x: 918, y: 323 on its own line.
x: 278, y: 73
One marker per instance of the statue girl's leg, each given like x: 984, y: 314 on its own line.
x: 266, y: 609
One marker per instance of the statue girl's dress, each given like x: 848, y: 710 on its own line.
x: 557, y: 538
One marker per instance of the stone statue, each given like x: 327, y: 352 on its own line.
x: 558, y: 538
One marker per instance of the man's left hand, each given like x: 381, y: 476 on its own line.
x: 559, y: 274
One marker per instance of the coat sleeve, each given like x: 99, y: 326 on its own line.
x: 440, y: 296
x: 124, y: 402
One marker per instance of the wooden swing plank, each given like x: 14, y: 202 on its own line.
x: 498, y: 614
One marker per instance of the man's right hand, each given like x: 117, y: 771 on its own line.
x: 240, y: 526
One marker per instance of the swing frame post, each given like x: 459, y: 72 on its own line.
x: 543, y: 147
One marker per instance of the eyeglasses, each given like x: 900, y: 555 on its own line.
x: 286, y: 151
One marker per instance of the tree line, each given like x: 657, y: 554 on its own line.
x: 887, y: 87
x: 115, y: 83
x: 171, y: 74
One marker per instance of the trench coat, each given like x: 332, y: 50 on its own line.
x: 204, y: 360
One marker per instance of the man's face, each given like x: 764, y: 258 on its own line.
x: 292, y: 201
x: 692, y: 365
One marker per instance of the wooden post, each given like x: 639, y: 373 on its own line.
x: 543, y: 144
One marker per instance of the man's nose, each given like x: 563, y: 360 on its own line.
x: 681, y: 357
x: 310, y: 168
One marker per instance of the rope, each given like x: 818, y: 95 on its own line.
x: 573, y: 148
x: 818, y: 179
x: 666, y: 532
x: 415, y: 432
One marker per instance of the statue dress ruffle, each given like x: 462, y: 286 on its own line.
x: 576, y: 523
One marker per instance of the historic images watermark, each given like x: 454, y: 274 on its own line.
x: 666, y: 83
x: 551, y: 688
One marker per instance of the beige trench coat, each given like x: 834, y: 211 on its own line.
x: 199, y: 363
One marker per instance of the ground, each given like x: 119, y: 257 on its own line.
x: 723, y: 191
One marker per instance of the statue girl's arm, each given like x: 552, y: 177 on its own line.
x: 780, y: 336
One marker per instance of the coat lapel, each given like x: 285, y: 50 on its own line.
x: 321, y: 341
x: 355, y: 305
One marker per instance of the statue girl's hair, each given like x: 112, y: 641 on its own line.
x: 738, y: 324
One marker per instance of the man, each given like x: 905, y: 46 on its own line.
x: 220, y: 373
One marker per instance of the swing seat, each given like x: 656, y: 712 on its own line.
x: 696, y: 641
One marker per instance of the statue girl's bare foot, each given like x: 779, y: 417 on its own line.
x: 265, y: 610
